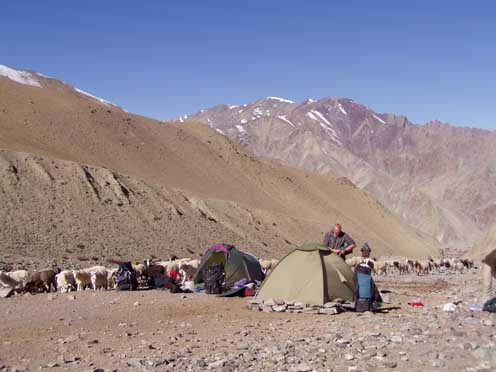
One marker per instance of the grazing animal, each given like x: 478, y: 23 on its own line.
x: 381, y: 267
x: 65, y: 281
x: 99, y: 280
x: 82, y: 279
x: 268, y: 265
x: 7, y: 281
x: 43, y: 281
x: 21, y: 276
x: 111, y: 274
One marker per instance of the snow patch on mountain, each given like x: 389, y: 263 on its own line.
x: 286, y: 120
x: 101, y: 100
x: 221, y: 132
x: 257, y: 113
x: 244, y: 121
x: 280, y: 99
x: 240, y: 129
x: 19, y: 76
x: 340, y: 107
x: 324, y: 124
x: 379, y: 119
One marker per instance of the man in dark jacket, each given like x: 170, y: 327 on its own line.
x: 339, y: 242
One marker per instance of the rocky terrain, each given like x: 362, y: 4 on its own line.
x: 439, y: 178
x: 82, y: 181
x: 158, y: 331
x: 485, y: 245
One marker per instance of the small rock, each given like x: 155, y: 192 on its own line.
x: 218, y: 364
x: 303, y: 367
x: 279, y: 308
x: 397, y: 339
x: 438, y: 363
x: 390, y: 364
x: 348, y: 357
x: 136, y: 303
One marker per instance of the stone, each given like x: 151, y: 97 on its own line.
x: 218, y: 364
x: 6, y: 292
x: 278, y: 301
x: 375, y: 334
x: 280, y: 308
x: 348, y: 357
x: 329, y: 311
x: 303, y: 367
x: 136, y: 303
x: 397, y: 339
x: 330, y: 304
x: 480, y: 353
x: 390, y: 364
x: 438, y: 363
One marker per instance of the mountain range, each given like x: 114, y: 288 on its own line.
x: 438, y: 178
x: 82, y: 179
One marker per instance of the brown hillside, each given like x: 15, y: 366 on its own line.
x: 258, y: 204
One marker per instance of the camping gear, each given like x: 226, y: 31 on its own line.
x: 189, y: 286
x: 214, y: 278
x: 416, y: 304
x: 125, y: 277
x: 233, y: 292
x: 237, y: 265
x: 366, y: 291
x: 310, y: 274
x: 490, y: 306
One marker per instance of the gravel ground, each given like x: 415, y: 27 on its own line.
x: 159, y: 331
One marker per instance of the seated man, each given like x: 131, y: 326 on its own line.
x: 339, y: 242
x: 488, y: 276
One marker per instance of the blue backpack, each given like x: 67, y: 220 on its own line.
x: 364, y: 281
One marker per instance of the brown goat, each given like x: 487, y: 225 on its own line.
x: 42, y: 281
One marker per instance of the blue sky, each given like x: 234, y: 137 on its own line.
x: 162, y: 58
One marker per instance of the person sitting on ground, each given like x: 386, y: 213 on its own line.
x: 339, y: 242
x: 173, y: 280
x: 488, y: 276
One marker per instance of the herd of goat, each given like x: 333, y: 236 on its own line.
x: 103, y: 278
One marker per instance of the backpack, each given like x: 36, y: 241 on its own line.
x: 213, y: 278
x: 366, y: 293
x: 125, y: 277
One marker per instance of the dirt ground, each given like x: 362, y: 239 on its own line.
x: 158, y: 331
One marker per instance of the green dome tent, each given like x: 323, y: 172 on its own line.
x: 237, y: 264
x: 311, y: 274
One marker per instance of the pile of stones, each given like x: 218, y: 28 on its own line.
x: 280, y: 306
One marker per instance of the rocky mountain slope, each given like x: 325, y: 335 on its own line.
x: 439, y: 178
x: 83, y: 179
x: 486, y: 244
